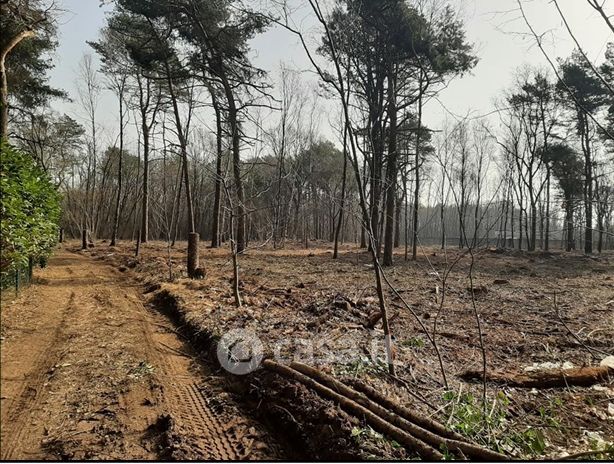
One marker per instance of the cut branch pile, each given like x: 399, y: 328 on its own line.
x: 420, y: 434
x: 548, y: 378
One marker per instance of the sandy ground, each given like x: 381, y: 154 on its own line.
x: 89, y: 372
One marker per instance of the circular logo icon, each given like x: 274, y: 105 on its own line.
x: 240, y: 351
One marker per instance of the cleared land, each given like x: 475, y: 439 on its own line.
x: 85, y: 364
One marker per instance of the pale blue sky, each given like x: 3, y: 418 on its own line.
x: 490, y: 24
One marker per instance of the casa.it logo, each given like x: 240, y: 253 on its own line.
x: 240, y: 351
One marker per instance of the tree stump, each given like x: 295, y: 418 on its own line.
x: 61, y: 239
x: 138, y: 245
x: 84, y: 239
x: 193, y: 238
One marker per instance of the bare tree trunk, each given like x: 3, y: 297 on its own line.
x: 215, y: 227
x: 533, y: 236
x: 233, y: 116
x: 397, y: 219
x: 176, y: 203
x: 4, y: 87
x: 193, y: 263
x: 442, y: 210
x: 588, y: 188
x: 119, y: 163
x: 414, y: 249
x: 391, y: 171
x: 569, y: 223
x: 547, y: 233
x: 342, y: 205
x: 145, y: 199
x: 193, y: 237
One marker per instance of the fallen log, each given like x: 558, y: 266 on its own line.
x: 547, y: 378
x: 425, y: 451
x: 432, y: 439
x: 411, y: 416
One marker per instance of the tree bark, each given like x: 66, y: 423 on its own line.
x: 550, y: 378
x: 351, y: 406
x: 4, y: 87
x: 547, y: 233
x: 233, y: 114
x: 414, y: 245
x: 119, y: 167
x: 193, y: 261
x: 391, y: 170
x: 569, y: 223
x: 342, y: 205
x: 215, y: 226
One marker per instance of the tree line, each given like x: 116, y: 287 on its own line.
x: 224, y: 155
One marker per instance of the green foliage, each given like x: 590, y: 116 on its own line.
x: 28, y: 64
x: 603, y: 451
x: 467, y: 417
x: 30, y: 208
x: 363, y: 365
x: 414, y: 342
x: 567, y: 167
x: 607, y: 71
x: 362, y: 434
x: 580, y: 85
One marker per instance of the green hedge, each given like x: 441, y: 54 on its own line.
x: 30, y: 211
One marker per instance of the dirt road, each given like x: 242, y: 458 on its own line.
x: 89, y: 372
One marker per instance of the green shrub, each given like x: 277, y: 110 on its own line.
x: 29, y: 208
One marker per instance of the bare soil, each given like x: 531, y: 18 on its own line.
x: 296, y: 293
x: 89, y: 372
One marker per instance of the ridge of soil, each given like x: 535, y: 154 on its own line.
x: 317, y: 427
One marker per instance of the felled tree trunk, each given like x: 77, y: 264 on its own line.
x: 432, y: 439
x: 551, y: 378
x: 374, y: 420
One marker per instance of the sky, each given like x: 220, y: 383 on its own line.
x: 500, y: 35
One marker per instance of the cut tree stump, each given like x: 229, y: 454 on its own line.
x: 547, y: 378
x: 193, y: 238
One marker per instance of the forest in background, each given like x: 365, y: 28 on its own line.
x: 223, y: 152
x: 269, y: 267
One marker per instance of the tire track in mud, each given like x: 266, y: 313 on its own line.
x: 32, y: 392
x: 187, y: 402
x: 90, y: 372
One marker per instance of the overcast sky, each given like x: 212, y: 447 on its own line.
x: 494, y: 26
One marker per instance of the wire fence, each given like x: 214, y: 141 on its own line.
x: 16, y: 279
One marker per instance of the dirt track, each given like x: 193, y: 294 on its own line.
x: 88, y: 372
